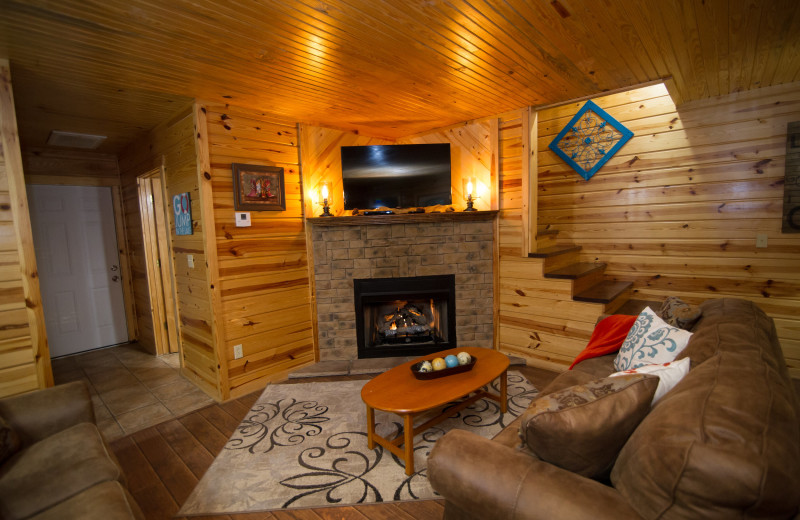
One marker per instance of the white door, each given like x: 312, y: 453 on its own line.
x: 78, y: 261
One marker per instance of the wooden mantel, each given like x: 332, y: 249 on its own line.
x: 403, y: 218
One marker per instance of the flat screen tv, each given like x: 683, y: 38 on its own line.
x: 396, y: 176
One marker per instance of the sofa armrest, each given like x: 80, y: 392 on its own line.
x: 41, y: 413
x: 494, y: 481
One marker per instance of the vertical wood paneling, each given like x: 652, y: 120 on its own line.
x: 171, y: 145
x: 24, y: 356
x: 677, y: 211
x: 262, y: 269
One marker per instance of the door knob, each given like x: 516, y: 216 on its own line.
x: 114, y: 267
x: 114, y: 278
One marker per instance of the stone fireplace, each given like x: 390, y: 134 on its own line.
x: 351, y: 251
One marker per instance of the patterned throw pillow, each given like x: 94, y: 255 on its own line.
x: 583, y: 427
x: 669, y: 375
x: 650, y: 341
x: 678, y: 313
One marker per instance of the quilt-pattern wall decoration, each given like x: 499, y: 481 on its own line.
x: 590, y: 139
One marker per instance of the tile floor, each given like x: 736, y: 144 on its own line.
x: 131, y: 390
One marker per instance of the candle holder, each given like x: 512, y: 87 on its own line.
x: 470, y: 186
x: 324, y: 199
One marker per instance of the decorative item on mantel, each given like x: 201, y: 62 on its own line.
x: 590, y: 139
x: 470, y: 185
x: 325, y: 199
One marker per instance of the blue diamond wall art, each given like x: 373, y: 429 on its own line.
x: 590, y: 139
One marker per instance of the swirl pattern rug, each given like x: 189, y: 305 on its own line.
x: 305, y: 445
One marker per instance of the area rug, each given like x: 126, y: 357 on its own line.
x: 305, y: 445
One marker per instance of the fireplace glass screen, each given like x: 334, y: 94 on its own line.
x: 405, y: 316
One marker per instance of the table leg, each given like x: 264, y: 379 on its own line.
x: 408, y: 433
x: 370, y: 427
x: 504, y: 391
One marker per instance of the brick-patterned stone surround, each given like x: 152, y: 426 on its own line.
x: 432, y: 247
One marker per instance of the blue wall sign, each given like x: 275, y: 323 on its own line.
x: 182, y: 208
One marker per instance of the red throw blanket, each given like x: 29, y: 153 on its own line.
x: 607, y: 337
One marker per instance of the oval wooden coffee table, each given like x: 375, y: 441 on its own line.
x: 398, y: 391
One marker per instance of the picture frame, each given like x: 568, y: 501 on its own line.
x: 258, y: 188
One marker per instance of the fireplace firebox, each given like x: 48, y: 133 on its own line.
x: 405, y: 316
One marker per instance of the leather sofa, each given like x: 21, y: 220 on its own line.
x: 55, y: 463
x: 724, y: 443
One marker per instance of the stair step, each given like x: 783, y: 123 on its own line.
x: 546, y: 232
x: 634, y: 307
x: 550, y: 252
x: 574, y: 271
x: 603, y: 292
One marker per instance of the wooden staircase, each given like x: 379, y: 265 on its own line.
x: 588, y: 278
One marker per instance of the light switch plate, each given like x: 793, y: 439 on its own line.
x: 761, y: 240
x: 242, y: 218
x: 190, y: 261
x: 237, y: 352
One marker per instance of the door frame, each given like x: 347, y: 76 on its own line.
x: 158, y: 262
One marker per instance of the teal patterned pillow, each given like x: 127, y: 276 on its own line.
x: 650, y: 341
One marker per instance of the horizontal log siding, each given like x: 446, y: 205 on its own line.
x: 677, y: 211
x: 263, y: 269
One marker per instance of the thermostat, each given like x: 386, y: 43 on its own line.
x: 242, y: 218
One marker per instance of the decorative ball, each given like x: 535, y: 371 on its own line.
x: 464, y: 358
x: 425, y: 366
x: 438, y: 364
x: 451, y: 361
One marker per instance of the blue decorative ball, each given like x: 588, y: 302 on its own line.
x: 451, y: 361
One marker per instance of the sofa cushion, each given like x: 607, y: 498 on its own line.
x: 650, y: 341
x: 9, y: 440
x: 582, y: 428
x: 669, y: 375
x: 105, y: 501
x: 53, y: 470
x: 678, y: 313
x: 723, y: 442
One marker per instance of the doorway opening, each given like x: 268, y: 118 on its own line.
x: 157, y: 252
x: 79, y: 264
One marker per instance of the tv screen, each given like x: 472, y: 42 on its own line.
x: 396, y: 175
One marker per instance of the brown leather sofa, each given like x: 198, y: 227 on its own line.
x: 55, y: 463
x: 724, y: 443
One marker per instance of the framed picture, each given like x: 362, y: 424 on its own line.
x: 258, y: 188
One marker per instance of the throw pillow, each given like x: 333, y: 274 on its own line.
x: 607, y: 337
x: 650, y: 341
x: 582, y: 428
x: 9, y: 441
x: 669, y: 375
x: 678, y: 313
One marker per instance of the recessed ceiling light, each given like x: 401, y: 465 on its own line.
x: 75, y: 140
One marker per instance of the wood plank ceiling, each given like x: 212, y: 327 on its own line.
x: 387, y: 68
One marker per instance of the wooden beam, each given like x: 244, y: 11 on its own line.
x: 210, y: 245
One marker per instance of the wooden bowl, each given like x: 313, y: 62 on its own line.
x: 435, y: 374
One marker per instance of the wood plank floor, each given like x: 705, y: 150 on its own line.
x: 164, y: 463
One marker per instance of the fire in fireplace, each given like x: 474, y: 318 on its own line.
x: 405, y: 316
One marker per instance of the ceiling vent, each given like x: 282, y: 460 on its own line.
x: 75, y: 140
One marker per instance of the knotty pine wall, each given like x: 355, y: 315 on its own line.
x: 262, y: 269
x: 677, y: 211
x: 172, y: 144
x: 24, y: 356
x: 70, y: 167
